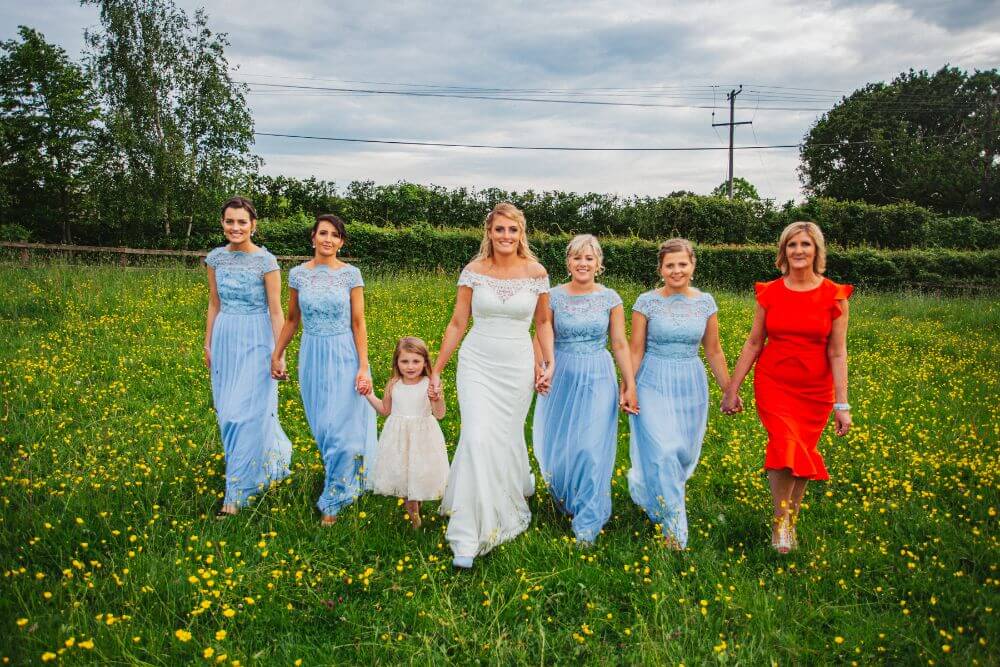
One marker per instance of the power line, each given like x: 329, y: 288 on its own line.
x: 508, y: 98
x: 647, y: 149
x: 438, y: 144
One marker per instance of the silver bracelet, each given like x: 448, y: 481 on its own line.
x: 842, y: 407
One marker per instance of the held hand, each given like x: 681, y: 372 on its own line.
x: 543, y: 378
x: 362, y: 383
x: 842, y: 421
x: 208, y: 357
x: 278, y: 370
x: 628, y: 400
x: 731, y: 403
x: 434, y: 389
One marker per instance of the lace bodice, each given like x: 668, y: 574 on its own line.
x: 503, y: 307
x: 325, y: 297
x: 675, y: 323
x: 239, y: 278
x: 581, y: 321
x: 410, y: 400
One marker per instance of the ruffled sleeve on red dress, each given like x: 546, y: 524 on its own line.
x: 839, y: 293
x: 762, y: 293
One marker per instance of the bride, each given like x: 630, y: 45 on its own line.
x: 503, y: 288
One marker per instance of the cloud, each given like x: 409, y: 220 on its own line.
x: 633, y: 50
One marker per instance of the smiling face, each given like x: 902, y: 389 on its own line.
x: 410, y: 365
x: 237, y: 225
x: 676, y: 268
x: 327, y: 240
x: 800, y: 251
x: 583, y: 266
x: 505, y: 235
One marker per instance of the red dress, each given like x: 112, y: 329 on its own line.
x: 793, y: 384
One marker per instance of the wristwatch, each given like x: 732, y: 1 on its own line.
x: 842, y: 407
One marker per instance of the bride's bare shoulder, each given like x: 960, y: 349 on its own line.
x: 476, y: 266
x: 536, y: 270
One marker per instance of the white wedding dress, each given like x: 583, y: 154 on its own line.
x: 490, y: 475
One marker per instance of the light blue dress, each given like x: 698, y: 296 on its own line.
x: 244, y: 394
x: 666, y: 435
x: 575, y: 430
x: 342, y: 421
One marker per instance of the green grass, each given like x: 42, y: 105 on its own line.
x: 112, y: 468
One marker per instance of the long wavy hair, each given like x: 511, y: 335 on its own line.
x: 511, y: 212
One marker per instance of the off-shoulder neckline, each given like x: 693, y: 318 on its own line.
x: 483, y: 275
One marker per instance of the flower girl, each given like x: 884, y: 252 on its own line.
x: 412, y: 462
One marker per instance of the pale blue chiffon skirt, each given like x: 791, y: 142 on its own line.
x: 341, y: 420
x: 666, y: 436
x: 575, y: 435
x: 246, y: 405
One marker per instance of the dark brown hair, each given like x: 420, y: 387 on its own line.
x: 337, y: 223
x: 240, y: 203
x: 413, y: 345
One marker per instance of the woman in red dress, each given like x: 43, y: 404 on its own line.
x: 801, y: 371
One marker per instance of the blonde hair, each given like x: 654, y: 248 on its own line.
x: 413, y: 345
x: 581, y: 242
x: 510, y: 212
x: 674, y: 245
x: 814, y: 232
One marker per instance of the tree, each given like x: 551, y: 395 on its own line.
x: 931, y: 139
x: 743, y: 190
x: 47, y: 134
x: 180, y: 129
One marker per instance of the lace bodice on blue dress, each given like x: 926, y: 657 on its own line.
x: 325, y: 297
x: 581, y: 321
x: 675, y: 323
x: 239, y: 278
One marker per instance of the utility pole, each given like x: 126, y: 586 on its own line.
x: 732, y: 108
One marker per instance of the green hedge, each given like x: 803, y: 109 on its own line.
x: 703, y: 219
x: 727, y: 266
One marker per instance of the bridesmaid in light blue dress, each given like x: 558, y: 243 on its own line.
x: 668, y: 326
x: 575, y: 430
x: 326, y: 295
x: 244, y: 313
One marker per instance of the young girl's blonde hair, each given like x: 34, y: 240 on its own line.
x: 510, y: 212
x: 413, y: 345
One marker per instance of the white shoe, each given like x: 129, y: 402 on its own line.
x: 464, y: 562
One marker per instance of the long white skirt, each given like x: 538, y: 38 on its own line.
x: 490, y: 476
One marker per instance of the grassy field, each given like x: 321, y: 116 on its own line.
x: 112, y: 469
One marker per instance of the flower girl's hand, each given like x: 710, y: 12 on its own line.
x: 278, y: 370
x: 362, y: 383
x: 434, y: 387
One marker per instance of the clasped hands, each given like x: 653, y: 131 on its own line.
x: 732, y: 403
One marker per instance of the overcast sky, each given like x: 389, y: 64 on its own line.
x: 786, y: 54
